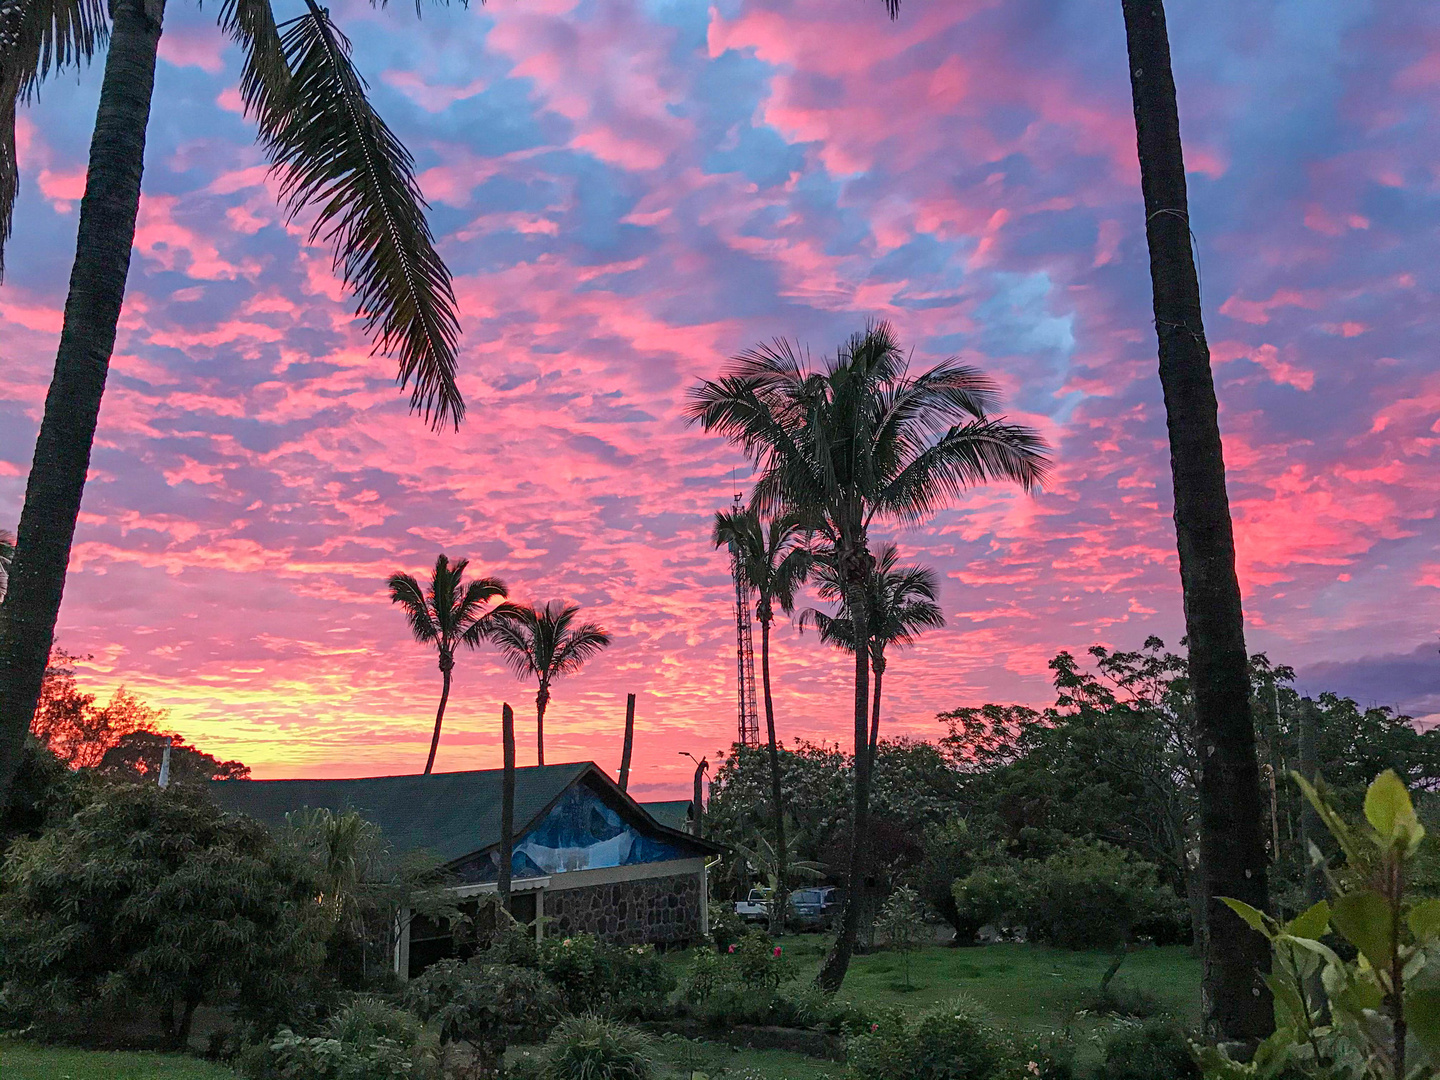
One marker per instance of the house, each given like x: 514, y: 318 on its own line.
x: 586, y: 856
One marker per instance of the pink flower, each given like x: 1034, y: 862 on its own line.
x: 777, y: 950
x: 874, y: 1027
x: 732, y: 948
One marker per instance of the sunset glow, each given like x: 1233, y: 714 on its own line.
x: 630, y: 191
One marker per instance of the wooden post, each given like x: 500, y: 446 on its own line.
x: 699, y: 807
x: 629, y: 742
x: 507, y: 807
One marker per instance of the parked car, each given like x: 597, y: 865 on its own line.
x: 816, y: 909
x: 755, y: 907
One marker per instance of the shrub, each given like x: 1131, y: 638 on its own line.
x: 726, y: 928
x: 760, y: 964
x: 990, y: 894
x: 367, y: 1040
x: 595, y: 1048
x: 1154, y: 1050
x: 156, y: 896
x: 486, y: 1005
x: 902, y: 921
x: 1089, y: 896
x: 1122, y: 999
x: 628, y: 982
x: 951, y: 1042
x: 1051, y: 1057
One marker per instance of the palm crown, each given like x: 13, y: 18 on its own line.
x: 329, y: 147
x: 543, y: 644
x: 901, y: 601
x: 773, y: 559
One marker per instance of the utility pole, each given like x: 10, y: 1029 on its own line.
x: 507, y: 808
x: 697, y: 806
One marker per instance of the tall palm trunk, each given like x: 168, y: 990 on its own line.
x: 1232, y: 845
x: 87, y: 339
x: 542, y: 698
x: 447, y: 665
x: 877, y: 663
x: 832, y: 973
x: 507, y: 807
x: 778, y: 902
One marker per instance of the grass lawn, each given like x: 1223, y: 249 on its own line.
x: 26, y: 1061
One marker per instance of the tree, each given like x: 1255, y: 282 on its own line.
x: 138, y: 754
x: 1232, y: 834
x: 331, y: 151
x: 902, y: 921
x: 156, y: 896
x: 858, y: 440
x: 447, y: 615
x: 902, y: 603
x: 774, y: 562
x: 543, y: 644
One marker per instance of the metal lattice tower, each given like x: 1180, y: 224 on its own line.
x: 749, y: 712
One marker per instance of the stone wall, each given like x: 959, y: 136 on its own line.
x: 653, y: 911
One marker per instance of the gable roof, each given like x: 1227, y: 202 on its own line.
x: 449, y: 814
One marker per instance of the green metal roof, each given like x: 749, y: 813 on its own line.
x: 450, y: 815
x: 675, y: 813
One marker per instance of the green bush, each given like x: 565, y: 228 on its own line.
x: 952, y: 1042
x: 1154, y: 1050
x: 625, y: 981
x: 596, y: 1048
x: 488, y: 1006
x: 1050, y: 1057
x: 726, y: 928
x: 990, y: 894
x: 1090, y: 895
x: 367, y: 1040
x: 760, y: 964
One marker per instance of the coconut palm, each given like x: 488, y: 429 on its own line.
x: 857, y: 440
x: 331, y: 152
x: 543, y: 644
x: 902, y: 602
x: 774, y: 561
x: 447, y: 615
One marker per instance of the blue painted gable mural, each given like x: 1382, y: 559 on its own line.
x: 581, y: 833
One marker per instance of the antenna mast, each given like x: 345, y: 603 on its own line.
x: 749, y: 713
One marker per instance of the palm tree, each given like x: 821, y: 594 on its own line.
x: 774, y: 562
x: 331, y: 151
x: 447, y: 616
x: 902, y: 602
x: 860, y: 439
x: 543, y: 644
x: 1232, y: 832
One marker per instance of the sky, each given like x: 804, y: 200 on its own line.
x: 629, y: 192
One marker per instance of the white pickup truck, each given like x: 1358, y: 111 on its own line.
x: 755, y: 907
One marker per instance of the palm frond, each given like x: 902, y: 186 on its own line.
x: 406, y: 591
x: 37, y: 38
x: 265, y: 74
x: 576, y: 647
x: 334, y: 152
x: 513, y: 632
x: 965, y: 457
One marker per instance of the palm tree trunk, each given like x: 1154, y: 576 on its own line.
x: 541, y: 700
x: 87, y: 339
x: 832, y: 973
x: 778, y: 902
x: 629, y: 742
x: 1232, y: 844
x: 507, y: 806
x: 877, y: 661
x: 439, y: 717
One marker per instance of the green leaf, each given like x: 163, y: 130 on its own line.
x: 1363, y: 919
x: 1255, y: 919
x: 1424, y: 920
x: 1333, y: 821
x: 1391, y: 814
x: 1422, y: 1013
x: 1311, y: 923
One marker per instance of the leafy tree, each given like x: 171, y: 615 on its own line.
x: 543, y: 644
x: 139, y: 754
x: 902, y: 603
x: 44, y: 793
x: 70, y: 724
x: 331, y: 152
x: 150, y: 895
x: 775, y: 562
x: 902, y: 921
x: 447, y: 615
x: 855, y: 441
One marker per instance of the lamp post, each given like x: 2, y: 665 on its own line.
x: 698, y: 806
